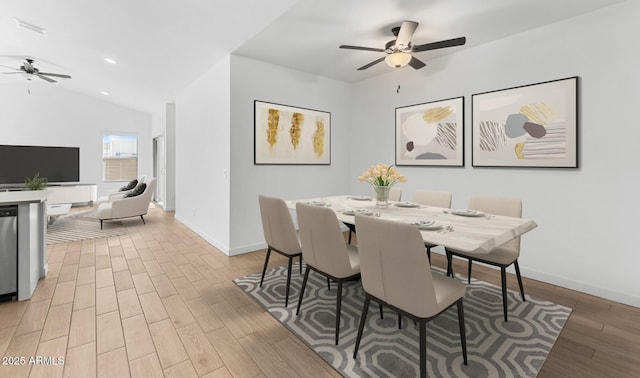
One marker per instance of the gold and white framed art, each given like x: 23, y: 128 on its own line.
x: 286, y: 134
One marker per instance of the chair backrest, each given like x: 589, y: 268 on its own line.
x: 395, y: 193
x: 277, y: 225
x: 322, y: 241
x: 508, y: 206
x: 394, y: 266
x: 138, y: 204
x: 433, y: 198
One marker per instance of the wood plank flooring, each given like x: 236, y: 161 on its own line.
x: 159, y: 301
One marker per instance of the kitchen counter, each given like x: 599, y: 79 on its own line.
x: 32, y: 236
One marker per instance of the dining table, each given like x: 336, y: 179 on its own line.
x: 464, y: 230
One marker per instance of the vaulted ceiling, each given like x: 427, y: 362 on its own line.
x: 160, y: 46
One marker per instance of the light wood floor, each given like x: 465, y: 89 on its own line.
x: 160, y: 301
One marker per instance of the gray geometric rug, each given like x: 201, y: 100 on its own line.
x: 82, y: 225
x: 517, y: 348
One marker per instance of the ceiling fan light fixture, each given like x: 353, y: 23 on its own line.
x: 398, y: 59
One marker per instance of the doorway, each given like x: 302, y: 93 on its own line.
x: 159, y: 169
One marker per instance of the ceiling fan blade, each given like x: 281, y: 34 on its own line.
x: 13, y: 68
x: 440, y: 44
x: 416, y: 63
x: 406, y: 33
x: 45, y: 78
x: 361, y: 48
x: 55, y: 75
x: 371, y: 64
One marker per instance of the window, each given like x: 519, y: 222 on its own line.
x: 119, y: 157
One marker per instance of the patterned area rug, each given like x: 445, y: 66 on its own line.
x: 517, y: 348
x: 81, y: 225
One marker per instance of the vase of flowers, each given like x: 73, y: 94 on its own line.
x: 381, y: 177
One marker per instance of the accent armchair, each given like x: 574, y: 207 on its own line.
x: 127, y: 207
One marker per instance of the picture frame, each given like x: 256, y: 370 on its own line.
x: 533, y: 125
x: 431, y: 133
x: 291, y: 135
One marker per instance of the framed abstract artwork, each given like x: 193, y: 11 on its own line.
x: 431, y: 134
x: 290, y: 135
x: 528, y: 126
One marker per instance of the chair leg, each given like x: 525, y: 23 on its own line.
x: 381, y: 314
x: 304, y: 285
x: 423, y: 348
x: 266, y: 261
x: 515, y: 264
x: 328, y: 284
x: 101, y: 224
x: 338, y: 310
x: 143, y: 222
x: 429, y: 254
x: 300, y: 264
x: 286, y: 295
x: 503, y: 274
x: 363, y: 320
x: 350, y: 232
x: 463, y: 333
x: 469, y: 272
x: 399, y: 321
x: 449, y: 264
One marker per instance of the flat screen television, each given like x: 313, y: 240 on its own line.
x: 56, y: 164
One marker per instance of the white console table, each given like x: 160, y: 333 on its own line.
x: 32, y: 235
x: 72, y: 193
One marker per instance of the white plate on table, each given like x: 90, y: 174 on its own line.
x: 407, y: 204
x: 318, y: 203
x: 427, y: 225
x: 360, y: 198
x: 468, y: 212
x: 357, y: 211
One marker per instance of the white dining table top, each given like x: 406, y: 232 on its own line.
x: 478, y: 234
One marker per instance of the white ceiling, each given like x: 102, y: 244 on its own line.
x: 161, y: 46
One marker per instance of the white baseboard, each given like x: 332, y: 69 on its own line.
x: 598, y: 291
x: 223, y: 248
x: 247, y: 249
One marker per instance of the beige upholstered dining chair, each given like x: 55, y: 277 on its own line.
x: 436, y: 198
x: 280, y: 235
x: 502, y: 256
x: 395, y: 194
x: 397, y: 274
x: 325, y: 251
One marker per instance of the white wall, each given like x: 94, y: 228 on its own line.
x: 202, y: 155
x: 53, y: 116
x: 254, y: 80
x: 587, y: 236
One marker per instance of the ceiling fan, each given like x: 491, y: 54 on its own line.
x: 399, y: 51
x: 29, y: 68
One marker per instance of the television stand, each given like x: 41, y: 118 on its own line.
x: 72, y: 193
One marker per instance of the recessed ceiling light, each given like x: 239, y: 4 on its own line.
x: 29, y: 26
x: 109, y: 60
x: 105, y: 93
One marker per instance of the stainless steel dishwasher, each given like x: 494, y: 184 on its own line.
x: 8, y: 252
